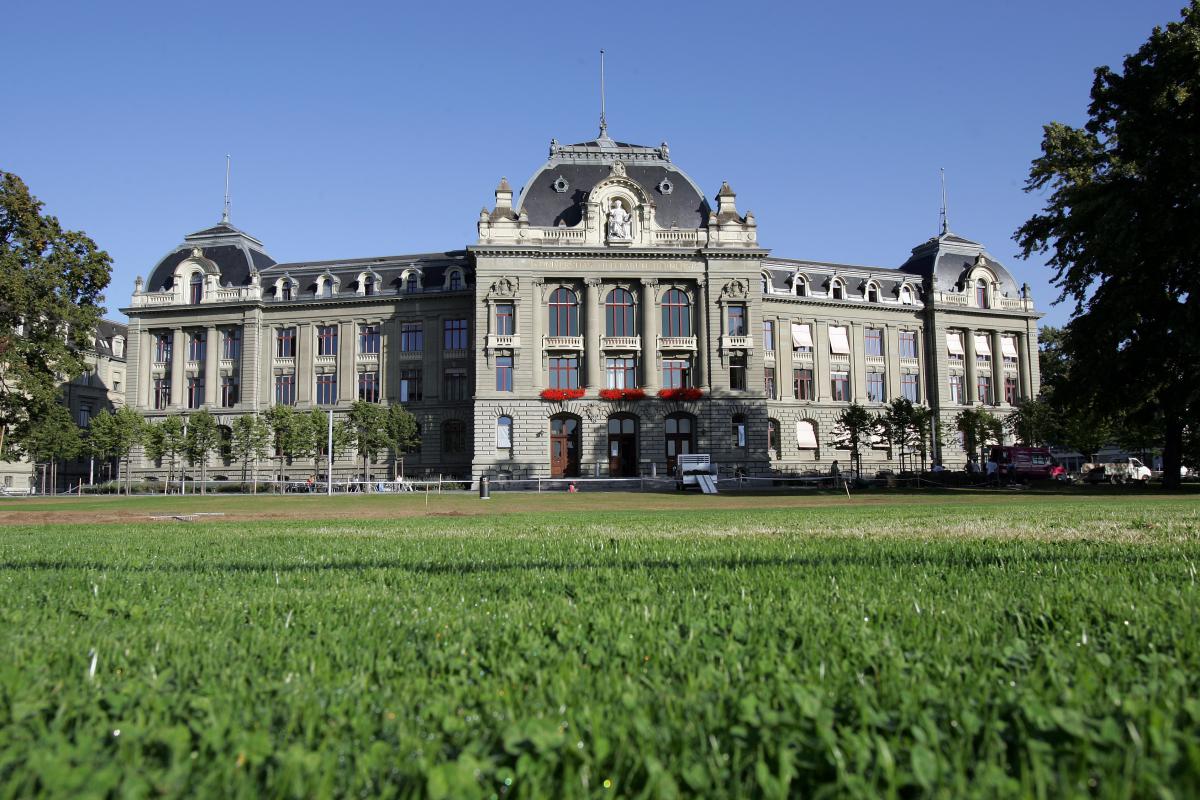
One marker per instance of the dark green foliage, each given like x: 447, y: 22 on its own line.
x: 855, y: 425
x: 980, y: 429
x: 203, y: 439
x: 795, y: 653
x: 114, y: 435
x: 250, y: 436
x: 50, y: 288
x: 1122, y: 224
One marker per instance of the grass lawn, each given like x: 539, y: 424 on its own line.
x: 954, y: 645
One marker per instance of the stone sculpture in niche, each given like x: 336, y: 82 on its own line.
x: 618, y: 221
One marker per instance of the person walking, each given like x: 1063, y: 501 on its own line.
x: 993, y: 471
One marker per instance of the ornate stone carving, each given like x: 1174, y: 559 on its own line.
x: 736, y: 288
x: 504, y: 287
x: 618, y: 221
x: 618, y: 169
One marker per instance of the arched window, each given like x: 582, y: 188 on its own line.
x: 837, y: 289
x: 764, y: 283
x: 676, y: 313
x: 412, y: 284
x: 455, y: 282
x: 679, y: 430
x: 285, y: 289
x: 454, y: 437
x: 906, y: 296
x: 197, y: 288
x: 369, y: 285
x: 326, y: 287
x: 773, y: 438
x: 872, y: 292
x: 504, y: 433
x: 799, y: 286
x: 739, y: 432
x: 981, y: 293
x: 806, y: 434
x: 618, y: 314
x: 564, y: 313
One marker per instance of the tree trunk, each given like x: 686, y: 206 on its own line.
x: 1172, y: 450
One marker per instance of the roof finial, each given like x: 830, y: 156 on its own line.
x: 225, y: 213
x: 603, y: 122
x: 945, y: 210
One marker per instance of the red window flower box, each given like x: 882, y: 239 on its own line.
x: 558, y: 395
x: 622, y: 394
x: 681, y: 393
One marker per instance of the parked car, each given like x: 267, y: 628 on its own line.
x: 1128, y: 469
x: 1024, y: 463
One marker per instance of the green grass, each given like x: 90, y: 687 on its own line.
x: 952, y: 646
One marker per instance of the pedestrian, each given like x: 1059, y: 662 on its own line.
x: 993, y: 471
x: 972, y: 467
x: 571, y: 488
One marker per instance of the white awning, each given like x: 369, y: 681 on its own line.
x: 801, y: 335
x: 1008, y: 346
x: 839, y: 341
x: 982, y: 346
x: 954, y: 343
x: 806, y: 435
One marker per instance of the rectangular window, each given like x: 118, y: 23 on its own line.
x: 285, y: 389
x: 737, y: 373
x: 368, y: 339
x: 327, y: 340
x: 802, y: 341
x: 285, y: 343
x: 873, y: 341
x: 368, y: 386
x: 195, y: 391
x: 954, y: 346
x: 455, y: 334
x: 504, y: 433
x: 564, y: 373
x: 621, y: 373
x: 505, y: 319
x: 676, y: 373
x: 908, y: 344
x: 910, y: 387
x: 875, y: 390
x: 231, y: 344
x: 802, y: 384
x: 957, y: 396
x: 840, y: 384
x: 85, y: 415
x: 410, y: 385
x: 839, y: 340
x: 197, y: 346
x: 984, y: 384
x: 163, y: 345
x: 504, y: 373
x: 229, y: 391
x: 1008, y: 346
x: 739, y: 432
x: 162, y: 393
x: 455, y: 385
x: 736, y: 318
x: 1010, y: 390
x: 769, y: 335
x: 327, y: 389
x: 769, y: 381
x: 412, y: 337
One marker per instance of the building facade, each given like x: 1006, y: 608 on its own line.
x: 606, y: 320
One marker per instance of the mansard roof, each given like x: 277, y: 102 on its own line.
x: 947, y: 258
x: 235, y: 252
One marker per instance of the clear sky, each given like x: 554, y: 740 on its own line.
x: 362, y: 129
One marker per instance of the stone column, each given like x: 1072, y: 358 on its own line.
x: 145, y: 357
x: 266, y: 352
x: 703, y: 337
x: 212, y: 374
x: 385, y: 345
x: 533, y: 350
x: 972, y: 387
x: 178, y: 354
x: 858, y: 363
x: 891, y: 357
x: 997, y: 369
x: 347, y: 340
x: 783, y: 358
x: 821, y: 366
x: 1023, y: 364
x: 304, y: 364
x: 591, y: 343
x: 649, y: 333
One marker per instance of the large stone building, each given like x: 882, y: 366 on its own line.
x: 609, y: 277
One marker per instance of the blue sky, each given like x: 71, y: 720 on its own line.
x: 363, y: 129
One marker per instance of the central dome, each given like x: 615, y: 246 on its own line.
x: 556, y: 194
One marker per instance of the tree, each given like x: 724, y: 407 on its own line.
x: 854, y: 425
x: 1034, y: 422
x: 1086, y: 432
x: 1122, y: 220
x: 203, y: 439
x: 925, y: 423
x: 287, y: 434
x: 50, y: 436
x: 114, y: 435
x: 248, y: 444
x: 165, y: 441
x: 979, y: 428
x: 898, y: 425
x: 403, y: 430
x: 51, y: 282
x: 369, y: 430
x: 315, y: 428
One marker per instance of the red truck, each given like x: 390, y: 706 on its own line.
x: 1024, y: 463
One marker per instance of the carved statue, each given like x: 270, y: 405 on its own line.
x: 618, y: 169
x: 618, y: 221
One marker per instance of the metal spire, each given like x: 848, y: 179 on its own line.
x: 225, y: 213
x: 945, y: 210
x: 603, y: 122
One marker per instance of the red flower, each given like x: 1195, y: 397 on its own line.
x: 622, y: 394
x: 558, y: 395
x: 681, y: 393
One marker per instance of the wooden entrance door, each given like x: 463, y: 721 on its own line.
x: 680, y: 430
x: 564, y: 447
x: 622, y: 447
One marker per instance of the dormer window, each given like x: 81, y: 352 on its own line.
x: 872, y: 293
x: 196, y: 293
x: 412, y: 284
x: 837, y: 289
x: 981, y: 294
x: 799, y: 287
x: 906, y: 296
x: 455, y: 282
x: 369, y: 285
x: 325, y: 289
x: 285, y: 291
x: 765, y: 283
